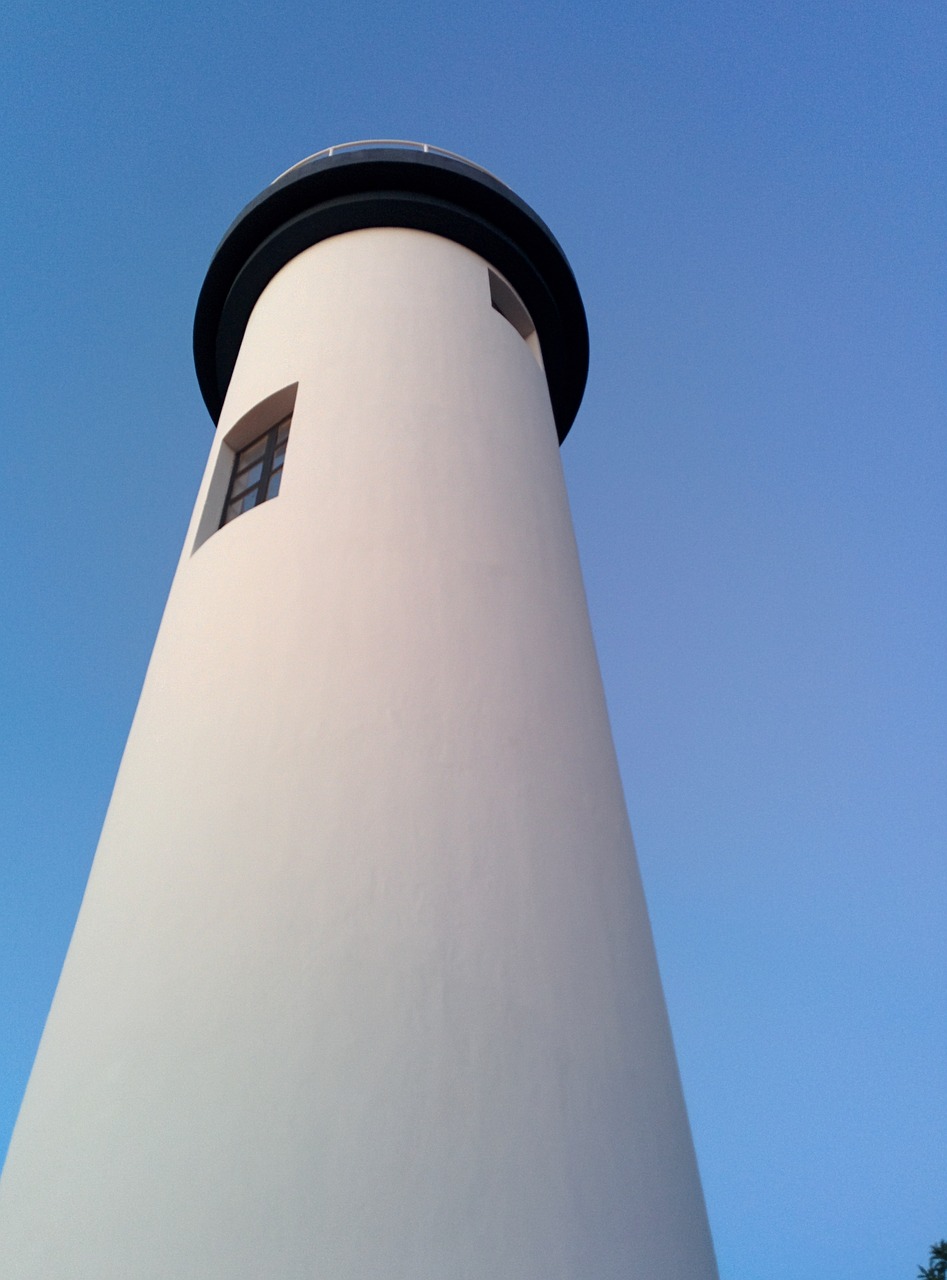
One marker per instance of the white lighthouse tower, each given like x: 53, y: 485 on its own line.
x: 363, y: 986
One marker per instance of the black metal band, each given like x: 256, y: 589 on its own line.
x: 384, y: 188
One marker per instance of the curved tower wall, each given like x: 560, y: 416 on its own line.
x: 363, y: 982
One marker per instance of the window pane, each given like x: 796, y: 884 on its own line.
x: 272, y: 489
x: 247, y: 479
x: 279, y: 453
x: 282, y: 431
x: 249, y: 455
x: 239, y: 505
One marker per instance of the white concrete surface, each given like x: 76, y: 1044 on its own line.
x: 363, y: 983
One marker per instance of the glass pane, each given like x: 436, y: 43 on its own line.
x: 272, y: 489
x: 248, y: 479
x: 239, y: 505
x: 282, y: 431
x: 249, y: 455
x: 279, y: 454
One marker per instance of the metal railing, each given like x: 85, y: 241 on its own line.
x: 395, y: 143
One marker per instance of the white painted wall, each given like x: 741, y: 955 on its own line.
x: 363, y: 984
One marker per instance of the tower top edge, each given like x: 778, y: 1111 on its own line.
x: 392, y: 183
x: 400, y: 144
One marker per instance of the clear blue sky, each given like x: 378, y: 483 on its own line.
x: 753, y: 199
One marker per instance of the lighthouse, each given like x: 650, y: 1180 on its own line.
x: 363, y: 983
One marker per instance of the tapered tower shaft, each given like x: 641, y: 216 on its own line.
x: 363, y: 983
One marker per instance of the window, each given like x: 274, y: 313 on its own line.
x: 508, y: 304
x: 257, y: 437
x: 257, y: 470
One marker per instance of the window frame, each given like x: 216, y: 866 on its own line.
x: 270, y: 466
